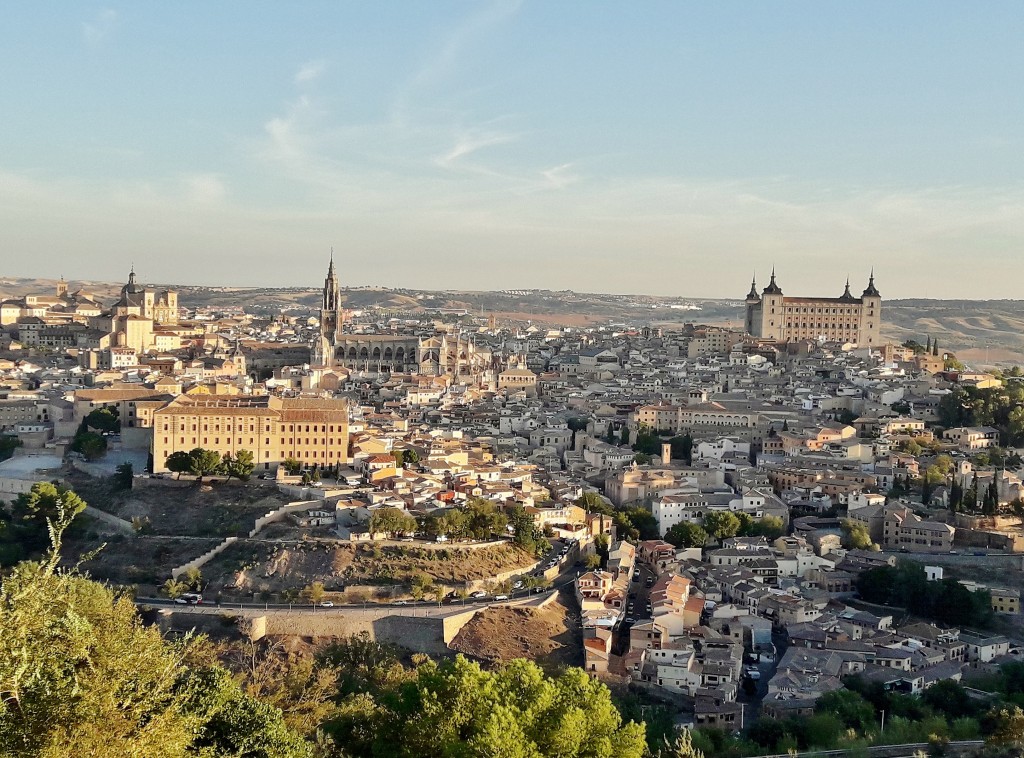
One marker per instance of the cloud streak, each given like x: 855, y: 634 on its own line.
x: 100, y: 27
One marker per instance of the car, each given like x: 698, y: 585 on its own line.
x: 401, y: 602
x: 316, y: 484
x: 517, y: 585
x: 478, y: 594
x: 192, y: 598
x: 636, y: 575
x: 629, y: 620
x: 266, y: 476
x: 954, y: 552
x: 327, y: 604
x: 501, y: 597
x: 180, y: 601
x: 406, y: 539
x: 440, y: 538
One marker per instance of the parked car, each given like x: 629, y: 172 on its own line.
x: 501, y: 597
x: 478, y: 594
x: 327, y: 604
x: 440, y: 538
x: 518, y: 584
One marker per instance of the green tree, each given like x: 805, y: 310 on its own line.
x: 392, y: 521
x: 204, y: 462
x: 685, y: 534
x: 179, y: 463
x: 103, y: 420
x: 174, y: 588
x: 8, y: 444
x: 314, y: 592
x: 721, y: 524
x: 455, y: 708
x: 594, y: 503
x: 241, y: 465
x: 592, y: 561
x: 681, y: 747
x: 420, y: 586
x: 855, y: 535
x: 194, y: 578
x: 292, y: 467
x: 682, y: 448
x: 849, y: 707
x: 46, y: 502
x: 484, y: 518
x: 91, y: 445
x: 124, y: 476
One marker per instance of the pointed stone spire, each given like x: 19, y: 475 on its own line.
x: 752, y: 295
x: 773, y: 288
x: 871, y: 290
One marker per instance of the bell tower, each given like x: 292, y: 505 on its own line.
x: 332, y: 316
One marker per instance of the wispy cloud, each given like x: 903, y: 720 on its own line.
x: 309, y: 71
x: 559, y: 176
x: 100, y: 27
x: 469, y: 143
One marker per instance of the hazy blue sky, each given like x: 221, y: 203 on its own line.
x: 663, y: 147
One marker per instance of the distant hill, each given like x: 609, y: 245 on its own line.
x: 980, y: 332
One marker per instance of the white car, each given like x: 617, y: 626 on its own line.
x: 518, y: 585
x: 501, y: 597
x: 478, y: 594
x: 326, y: 604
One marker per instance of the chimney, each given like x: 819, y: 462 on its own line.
x: 666, y: 453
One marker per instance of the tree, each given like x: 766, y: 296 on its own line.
x: 194, y: 578
x: 103, y: 420
x: 484, y: 518
x: 855, y: 535
x: 420, y: 585
x: 90, y: 445
x: 124, y: 476
x: 390, y: 520
x: 203, y: 462
x: 592, y: 561
x: 458, y: 708
x: 292, y: 467
x: 179, y: 463
x: 682, y: 747
x: 1008, y: 727
x: 174, y: 588
x: 769, y: 527
x: 314, y: 592
x: 685, y: 534
x: 721, y: 524
x: 240, y: 466
x: 849, y: 707
x: 8, y: 444
x: 47, y: 502
x: 642, y: 459
x: 594, y: 503
x: 682, y: 448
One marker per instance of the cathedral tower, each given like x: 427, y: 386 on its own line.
x: 332, y: 318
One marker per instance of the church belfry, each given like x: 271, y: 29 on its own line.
x: 332, y: 318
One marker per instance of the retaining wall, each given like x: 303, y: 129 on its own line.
x: 110, y: 520
x: 204, y: 558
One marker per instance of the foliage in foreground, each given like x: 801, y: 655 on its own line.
x: 81, y: 675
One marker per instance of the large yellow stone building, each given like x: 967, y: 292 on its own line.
x: 772, y: 315
x: 313, y: 431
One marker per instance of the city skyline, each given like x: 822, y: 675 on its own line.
x: 509, y: 145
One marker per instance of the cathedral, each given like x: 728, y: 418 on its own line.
x: 450, y: 354
x: 857, y: 320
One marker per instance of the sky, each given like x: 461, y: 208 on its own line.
x: 670, y: 148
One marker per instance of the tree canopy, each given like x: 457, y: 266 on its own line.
x: 456, y: 708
